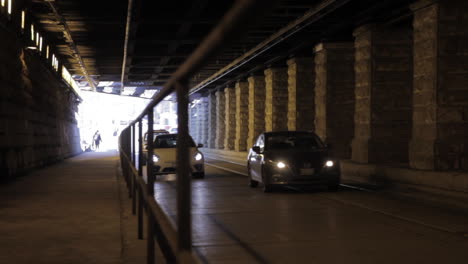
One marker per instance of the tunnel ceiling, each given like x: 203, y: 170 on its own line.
x: 163, y: 33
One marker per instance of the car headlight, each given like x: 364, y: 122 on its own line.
x: 155, y: 158
x: 329, y: 163
x: 280, y: 165
x: 198, y: 156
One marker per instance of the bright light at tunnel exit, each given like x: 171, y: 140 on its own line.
x: 108, y: 114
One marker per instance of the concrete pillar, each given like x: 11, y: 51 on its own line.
x: 220, y: 119
x: 383, y: 68
x: 276, y: 99
x: 230, y: 118
x: 242, y: 115
x: 193, y: 122
x: 212, y: 120
x: 301, y: 84
x: 256, y: 108
x: 203, y: 121
x: 334, y: 96
x: 440, y: 96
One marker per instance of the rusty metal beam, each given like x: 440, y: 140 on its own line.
x: 71, y: 43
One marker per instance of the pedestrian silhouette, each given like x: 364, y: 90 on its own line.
x: 97, y: 139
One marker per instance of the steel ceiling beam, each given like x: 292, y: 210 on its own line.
x: 71, y: 43
x: 308, y: 18
x: 126, y: 44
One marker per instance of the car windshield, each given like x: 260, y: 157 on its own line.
x: 169, y: 141
x: 293, y: 141
x: 155, y: 133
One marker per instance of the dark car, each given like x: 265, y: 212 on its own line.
x: 291, y: 158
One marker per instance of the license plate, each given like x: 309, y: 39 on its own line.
x: 307, y: 171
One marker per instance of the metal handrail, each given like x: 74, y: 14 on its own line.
x: 176, y: 242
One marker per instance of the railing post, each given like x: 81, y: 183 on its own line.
x: 150, y: 185
x: 133, y: 145
x: 183, y: 173
x: 140, y: 173
x: 131, y: 174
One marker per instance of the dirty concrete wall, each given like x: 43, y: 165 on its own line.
x: 37, y: 111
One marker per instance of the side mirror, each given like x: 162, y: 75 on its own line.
x: 256, y: 149
x: 200, y: 146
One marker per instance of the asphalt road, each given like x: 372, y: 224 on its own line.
x: 233, y: 223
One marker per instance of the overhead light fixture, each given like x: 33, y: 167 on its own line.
x: 9, y: 7
x: 40, y: 43
x: 23, y: 19
x: 31, y: 48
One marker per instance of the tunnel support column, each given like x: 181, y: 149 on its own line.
x: 256, y: 107
x: 212, y: 120
x: 276, y: 99
x: 220, y: 119
x: 242, y: 115
x: 383, y: 92
x: 230, y: 118
x: 203, y: 122
x: 440, y: 103
x: 301, y: 85
x: 193, y: 122
x: 334, y: 96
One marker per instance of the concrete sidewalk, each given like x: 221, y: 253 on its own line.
x: 66, y: 213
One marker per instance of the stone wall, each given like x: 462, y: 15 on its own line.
x: 383, y: 93
x: 256, y: 108
x: 301, y: 86
x: 230, y: 118
x: 334, y: 96
x: 203, y: 121
x: 37, y: 111
x: 276, y: 99
x: 242, y: 116
x: 193, y: 122
x: 440, y: 97
x: 220, y: 119
x: 212, y: 120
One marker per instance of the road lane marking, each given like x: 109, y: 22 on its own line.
x: 226, y: 169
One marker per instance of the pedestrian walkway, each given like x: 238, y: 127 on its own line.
x: 66, y: 213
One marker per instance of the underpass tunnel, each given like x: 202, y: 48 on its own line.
x: 383, y: 84
x: 390, y: 104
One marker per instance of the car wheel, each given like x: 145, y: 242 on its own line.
x: 252, y: 183
x: 266, y: 187
x: 333, y: 187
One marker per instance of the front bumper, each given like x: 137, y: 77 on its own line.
x: 171, y: 168
x: 288, y: 176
